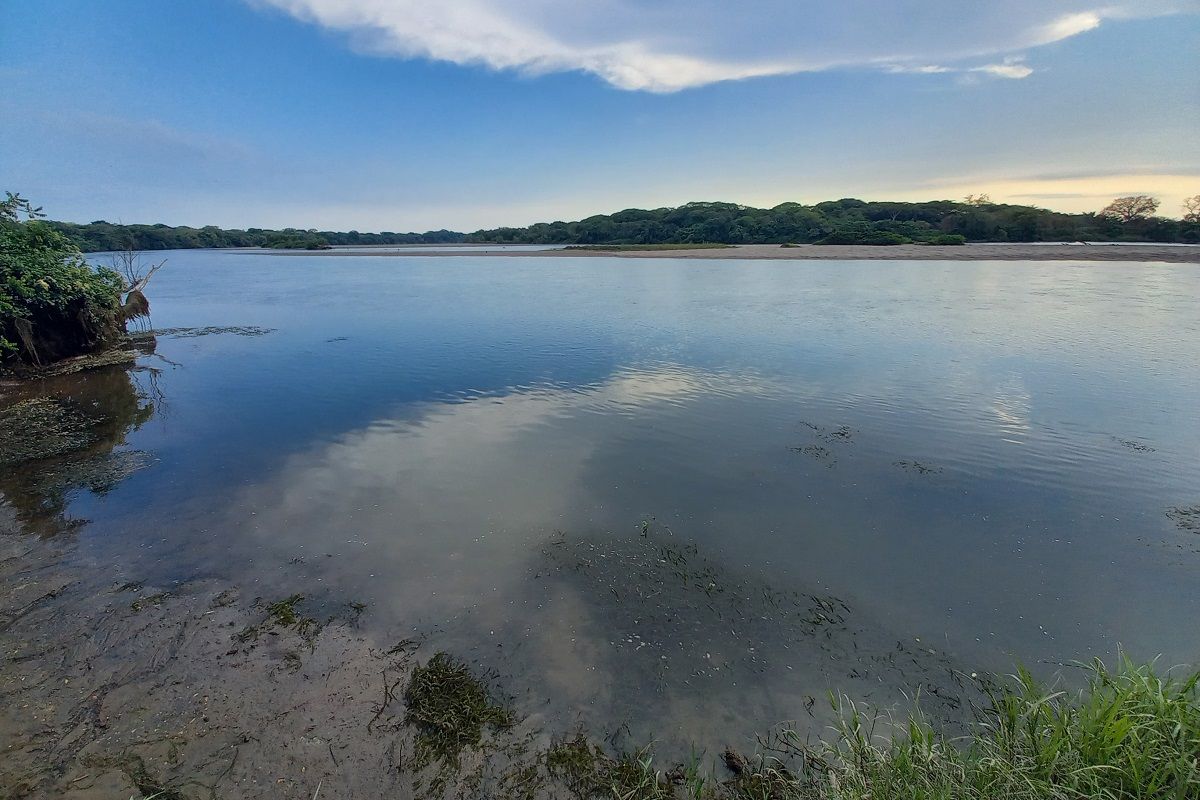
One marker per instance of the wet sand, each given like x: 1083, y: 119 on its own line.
x: 1189, y: 254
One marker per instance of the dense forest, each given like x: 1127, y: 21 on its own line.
x: 833, y: 222
x: 851, y: 222
x: 103, y: 236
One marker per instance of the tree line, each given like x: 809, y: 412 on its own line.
x: 851, y: 221
x: 102, y: 236
x: 847, y: 221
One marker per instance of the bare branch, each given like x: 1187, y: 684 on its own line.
x: 1131, y: 207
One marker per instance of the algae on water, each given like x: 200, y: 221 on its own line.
x: 42, y: 427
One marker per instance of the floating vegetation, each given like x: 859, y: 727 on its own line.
x: 842, y: 434
x: 918, y: 467
x: 1133, y: 444
x: 587, y: 771
x: 817, y: 452
x: 100, y: 473
x: 1186, y: 518
x: 103, y: 358
x: 450, y: 708
x: 43, y: 427
x: 282, y: 614
x: 236, y: 330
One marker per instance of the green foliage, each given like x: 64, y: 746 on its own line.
x: 617, y: 248
x: 1131, y: 734
x: 846, y: 221
x: 45, y: 284
x: 295, y: 241
x: 101, y: 236
x: 864, y: 234
x: 946, y: 239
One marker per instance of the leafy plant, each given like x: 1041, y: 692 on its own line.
x: 52, y: 302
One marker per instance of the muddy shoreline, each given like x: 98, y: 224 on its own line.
x: 907, y: 252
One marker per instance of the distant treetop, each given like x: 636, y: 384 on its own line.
x: 852, y: 221
x: 844, y: 221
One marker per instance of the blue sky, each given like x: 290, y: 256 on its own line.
x: 404, y: 115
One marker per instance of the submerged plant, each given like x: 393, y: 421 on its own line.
x: 283, y: 614
x: 587, y: 771
x: 450, y: 708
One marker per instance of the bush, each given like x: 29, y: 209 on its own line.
x: 53, y: 304
x: 864, y: 236
x: 946, y: 239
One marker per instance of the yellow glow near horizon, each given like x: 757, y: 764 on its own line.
x: 1075, y: 195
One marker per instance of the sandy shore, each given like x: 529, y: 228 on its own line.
x: 972, y: 252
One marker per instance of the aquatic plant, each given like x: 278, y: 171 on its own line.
x: 450, y: 708
x: 587, y: 771
x: 282, y: 614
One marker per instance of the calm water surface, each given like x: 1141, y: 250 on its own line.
x: 600, y: 476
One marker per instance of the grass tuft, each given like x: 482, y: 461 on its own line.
x: 1130, y: 734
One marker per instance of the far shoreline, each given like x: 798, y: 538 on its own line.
x: 1171, y: 254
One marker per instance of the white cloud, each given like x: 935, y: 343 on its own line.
x: 1011, y: 68
x: 668, y: 45
x: 1067, y: 26
x: 918, y: 69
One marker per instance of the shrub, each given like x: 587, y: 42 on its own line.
x: 946, y: 239
x: 53, y: 304
x: 864, y: 236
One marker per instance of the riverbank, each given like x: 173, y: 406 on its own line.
x: 1171, y: 254
x: 196, y: 690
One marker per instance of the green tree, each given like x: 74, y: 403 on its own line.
x: 53, y: 304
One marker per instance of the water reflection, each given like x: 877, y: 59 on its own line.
x: 67, y: 434
x: 978, y: 456
x: 492, y: 527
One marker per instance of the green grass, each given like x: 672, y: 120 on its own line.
x: 1129, y: 734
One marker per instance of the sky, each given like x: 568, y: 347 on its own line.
x: 414, y: 115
